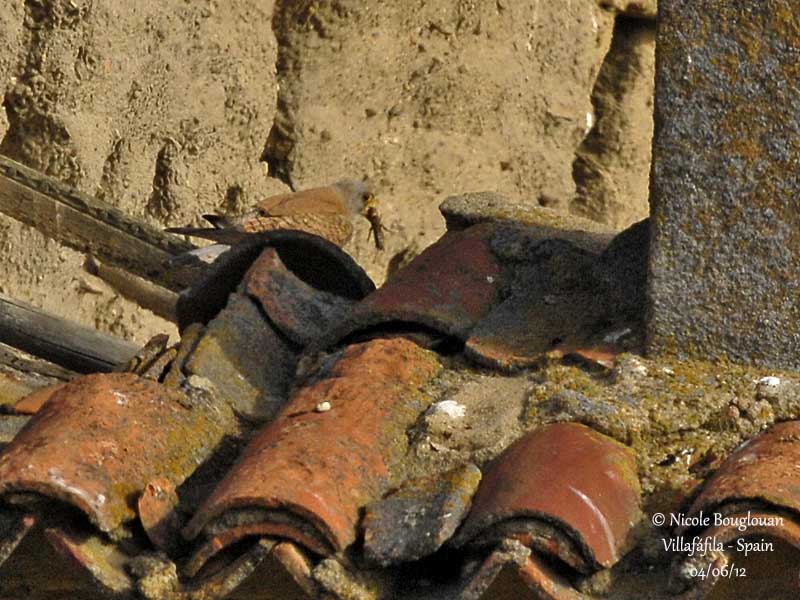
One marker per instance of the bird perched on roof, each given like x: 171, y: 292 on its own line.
x: 324, y: 211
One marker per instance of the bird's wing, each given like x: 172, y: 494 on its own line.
x: 324, y: 201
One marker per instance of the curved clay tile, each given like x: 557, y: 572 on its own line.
x: 447, y: 288
x: 307, y: 475
x: 765, y: 469
x: 31, y: 403
x: 100, y: 439
x: 563, y: 490
x: 753, y: 498
x: 105, y: 563
x: 298, y: 310
x: 312, y: 259
x: 570, y: 302
x: 540, y: 578
x: 429, y: 509
x: 464, y: 210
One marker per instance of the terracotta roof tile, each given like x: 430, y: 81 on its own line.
x: 310, y: 258
x: 158, y: 578
x: 103, y: 561
x: 469, y: 209
x: 447, y: 288
x: 297, y: 565
x: 566, y: 475
x: 31, y: 403
x: 231, y: 353
x: 565, y: 298
x: 157, y: 510
x: 254, y: 306
x: 298, y: 310
x: 186, y: 502
x: 536, y: 574
x: 102, y: 438
x: 764, y: 470
x: 307, y: 475
x: 421, y: 516
x: 754, y: 496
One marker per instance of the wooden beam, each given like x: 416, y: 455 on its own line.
x: 92, y: 226
x: 15, y: 360
x: 62, y: 342
x: 154, y: 298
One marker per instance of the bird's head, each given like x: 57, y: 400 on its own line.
x: 361, y: 201
x: 358, y: 195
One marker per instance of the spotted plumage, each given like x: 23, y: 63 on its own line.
x: 324, y: 211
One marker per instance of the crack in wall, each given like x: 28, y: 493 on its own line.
x: 279, y: 146
x: 600, y: 167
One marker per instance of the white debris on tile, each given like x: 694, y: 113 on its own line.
x: 449, y: 408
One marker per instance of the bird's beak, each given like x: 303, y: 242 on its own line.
x: 369, y: 206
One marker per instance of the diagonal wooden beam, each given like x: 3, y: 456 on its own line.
x: 72, y: 346
x: 92, y: 226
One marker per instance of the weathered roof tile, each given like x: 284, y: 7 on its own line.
x: 31, y: 403
x: 421, y: 516
x: 298, y: 310
x: 101, y: 438
x: 765, y: 469
x: 245, y: 360
x: 310, y: 258
x: 103, y: 561
x: 563, y: 296
x: 566, y: 475
x: 447, y: 288
x: 754, y: 495
x: 469, y: 209
x: 543, y: 581
x: 307, y: 475
x: 156, y: 508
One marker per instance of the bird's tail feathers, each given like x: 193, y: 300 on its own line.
x: 218, y: 221
x: 222, y: 236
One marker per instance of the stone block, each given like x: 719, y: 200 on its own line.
x: 724, y: 258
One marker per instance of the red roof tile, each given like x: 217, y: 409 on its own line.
x: 540, y: 578
x: 100, y: 559
x: 157, y: 513
x: 319, y: 468
x: 299, y: 311
x: 765, y: 469
x: 447, y: 288
x: 312, y: 259
x: 754, y: 495
x: 567, y: 474
x: 561, y: 498
x: 101, y: 438
x: 31, y: 403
